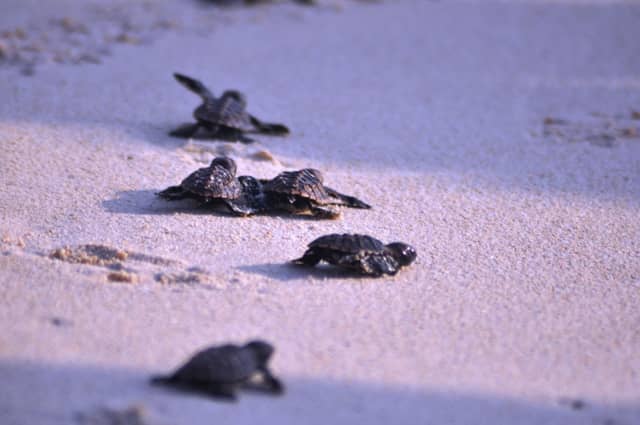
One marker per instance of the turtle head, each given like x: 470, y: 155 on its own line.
x: 251, y: 185
x: 403, y: 253
x: 235, y: 95
x: 224, y: 162
x: 261, y: 350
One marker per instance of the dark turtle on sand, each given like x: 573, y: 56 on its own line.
x: 360, y: 253
x: 224, y: 117
x: 302, y: 191
x: 218, y: 183
x: 218, y: 371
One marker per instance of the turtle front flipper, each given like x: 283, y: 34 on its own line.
x: 195, y: 86
x: 346, y: 200
x: 379, y: 264
x: 310, y: 258
x: 324, y: 211
x: 271, y: 384
x: 185, y: 131
x: 271, y: 129
x: 274, y: 385
x: 174, y: 193
x: 240, y: 207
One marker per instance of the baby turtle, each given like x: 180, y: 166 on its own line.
x: 361, y: 253
x: 219, y: 370
x: 218, y: 183
x: 225, y: 117
x: 302, y: 191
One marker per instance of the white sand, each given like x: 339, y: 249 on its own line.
x: 527, y: 285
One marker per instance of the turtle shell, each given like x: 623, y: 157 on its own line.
x: 306, y: 183
x: 222, y: 364
x: 215, y: 181
x: 348, y: 243
x: 229, y: 110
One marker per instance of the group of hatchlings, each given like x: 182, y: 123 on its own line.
x: 219, y: 370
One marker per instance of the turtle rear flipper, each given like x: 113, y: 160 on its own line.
x: 174, y: 193
x: 271, y: 129
x: 195, y: 86
x: 349, y: 201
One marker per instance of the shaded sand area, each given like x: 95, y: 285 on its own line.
x: 496, y: 137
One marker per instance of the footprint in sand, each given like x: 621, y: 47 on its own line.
x: 120, y: 261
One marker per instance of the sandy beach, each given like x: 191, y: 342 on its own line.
x: 500, y: 138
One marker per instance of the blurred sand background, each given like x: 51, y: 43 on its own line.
x: 496, y: 137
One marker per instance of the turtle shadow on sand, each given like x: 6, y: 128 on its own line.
x: 86, y: 394
x: 246, y: 387
x: 288, y: 271
x: 146, y: 202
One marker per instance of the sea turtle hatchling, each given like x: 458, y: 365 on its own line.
x: 224, y: 118
x: 303, y: 191
x: 361, y: 253
x: 219, y: 370
x: 218, y: 183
